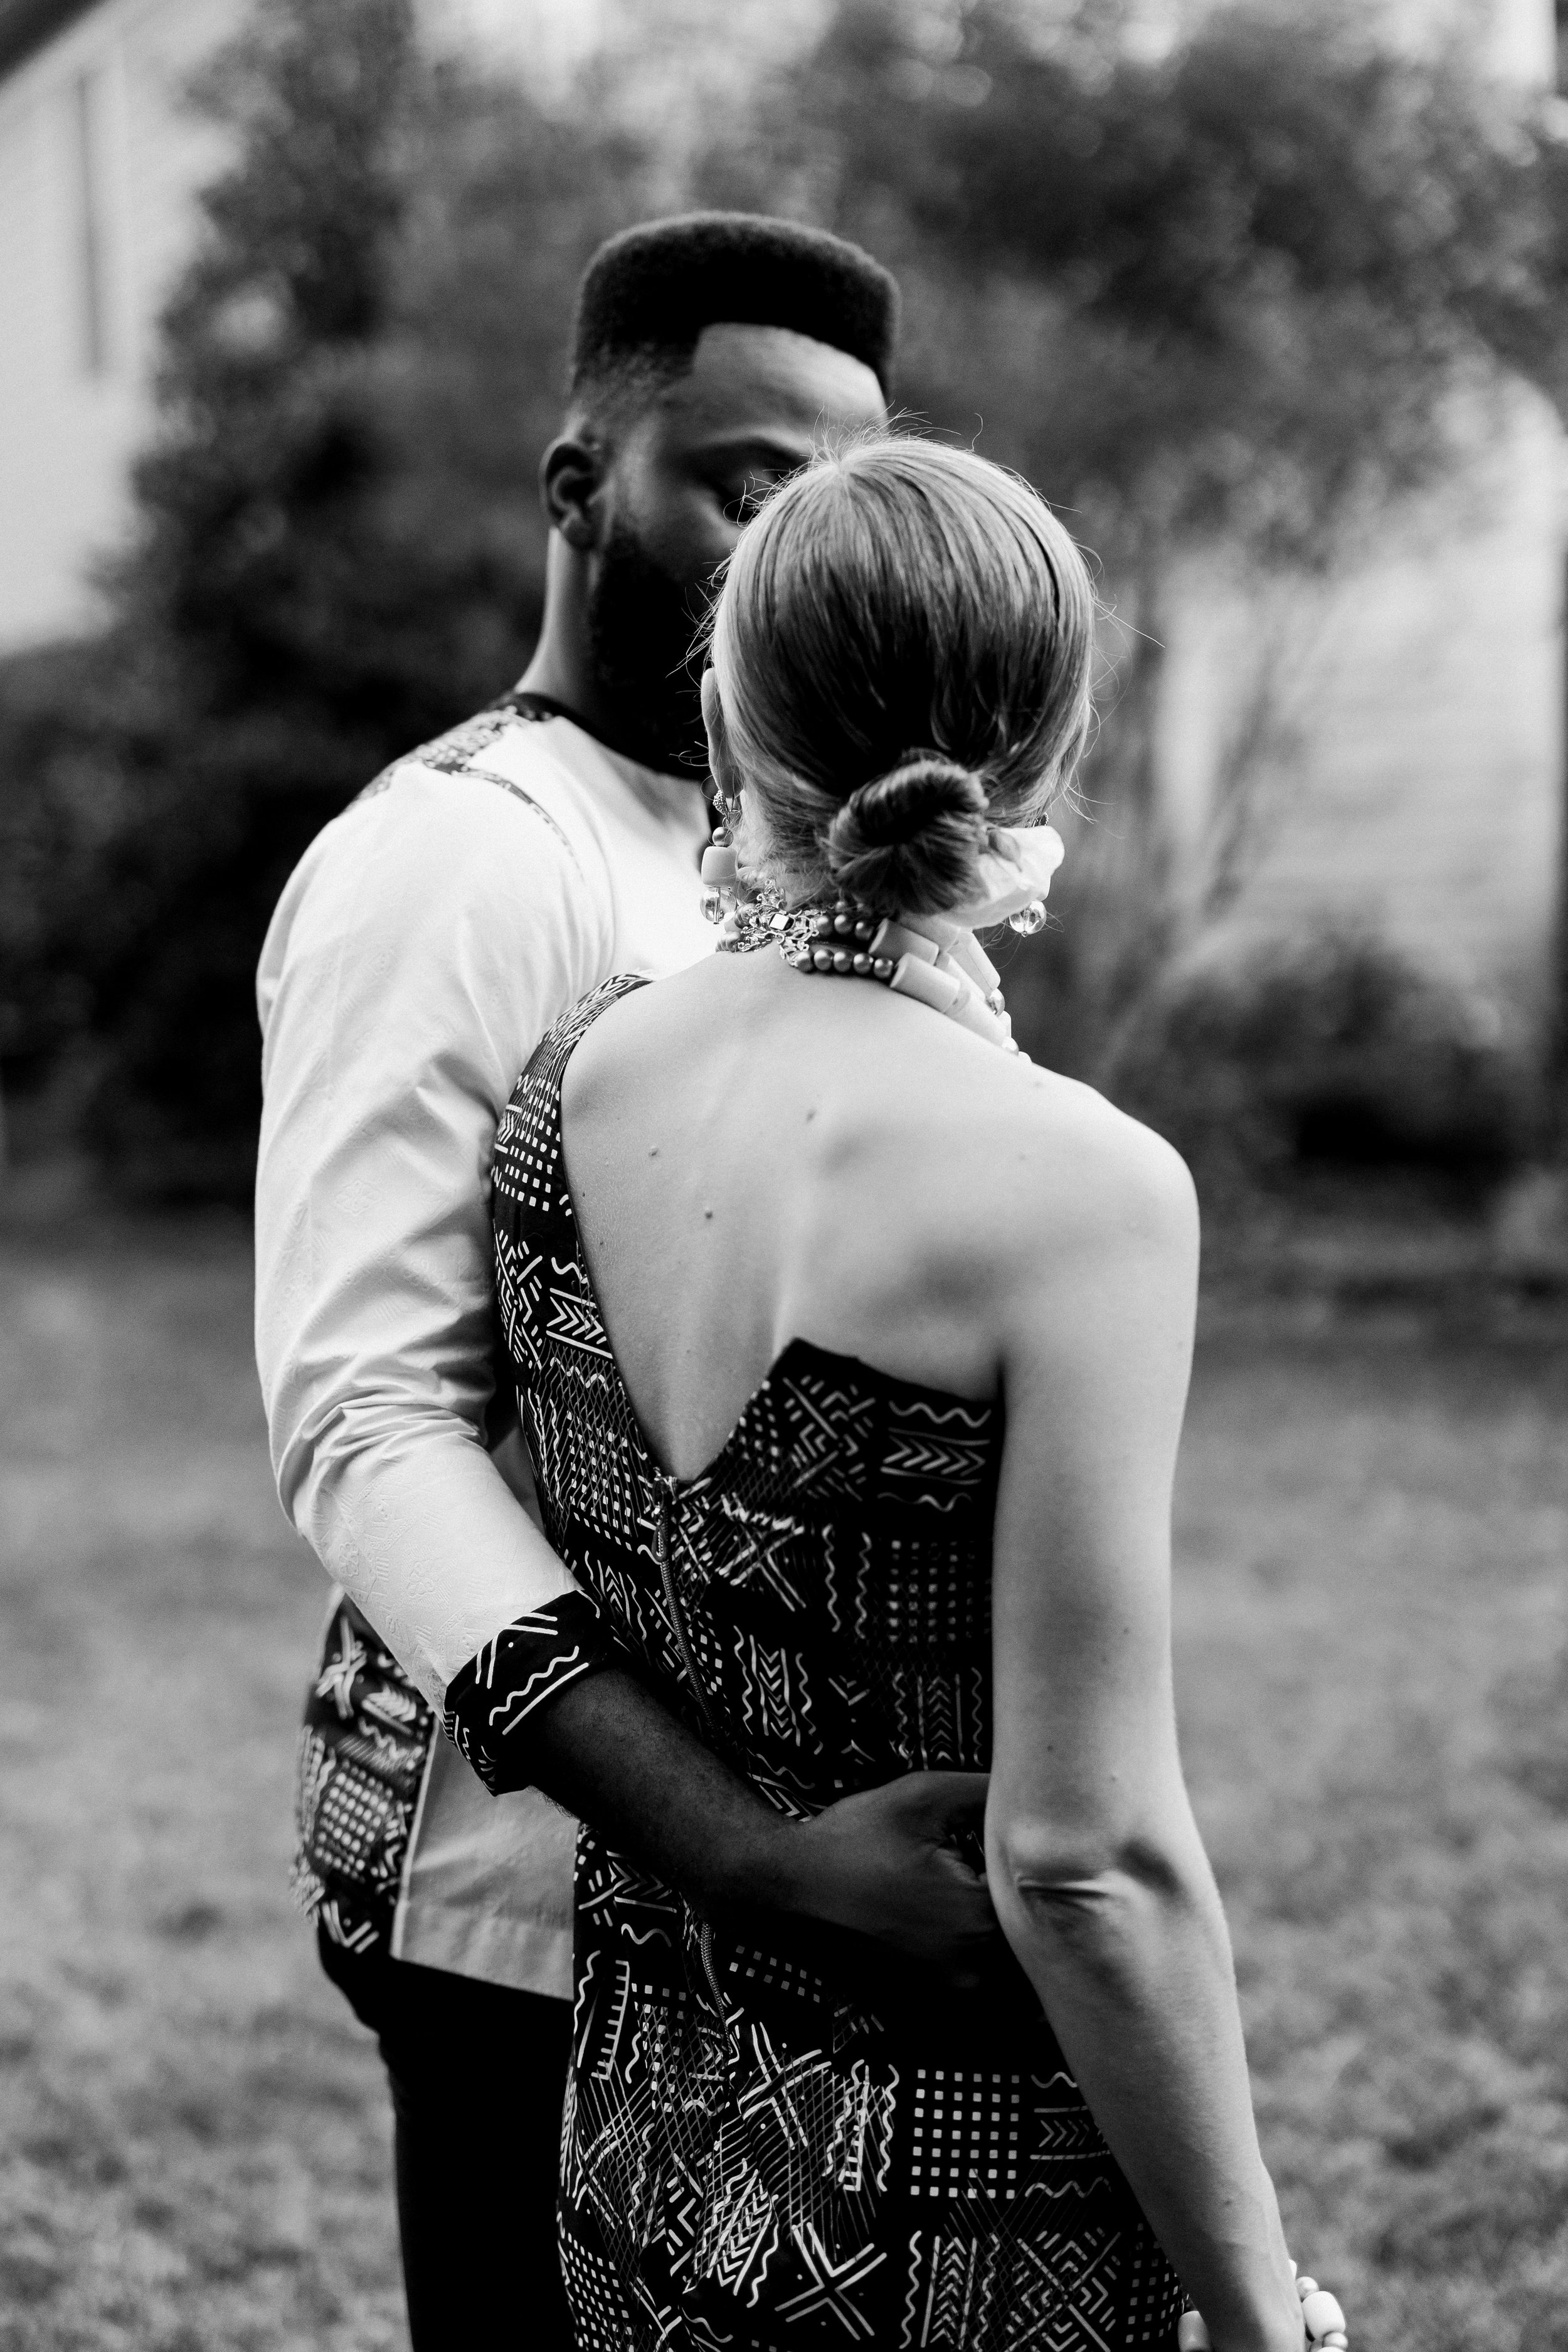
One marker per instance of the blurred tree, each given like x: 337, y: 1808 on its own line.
x: 1236, y: 291
x: 337, y: 552
x: 252, y: 608
x: 1260, y: 261
x: 59, y: 806
x: 1245, y: 289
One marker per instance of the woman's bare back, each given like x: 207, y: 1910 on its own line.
x: 755, y: 1158
x: 820, y: 1597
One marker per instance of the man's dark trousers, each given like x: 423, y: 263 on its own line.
x: 478, y: 2075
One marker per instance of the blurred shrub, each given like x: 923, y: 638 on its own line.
x: 1231, y: 279
x: 1220, y: 288
x: 1226, y: 288
x: 1332, y: 1052
x: 55, y: 813
x: 337, y: 552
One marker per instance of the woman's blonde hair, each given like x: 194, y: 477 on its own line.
x: 903, y: 646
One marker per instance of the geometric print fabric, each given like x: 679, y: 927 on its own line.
x: 363, y: 1749
x: 772, y: 2139
x: 367, y: 1734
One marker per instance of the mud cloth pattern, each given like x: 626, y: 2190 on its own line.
x: 769, y: 2144
x: 367, y: 1730
x: 362, y: 1750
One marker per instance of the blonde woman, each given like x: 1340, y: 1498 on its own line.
x: 852, y: 1352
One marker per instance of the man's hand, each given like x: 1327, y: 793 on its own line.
x: 888, y: 1863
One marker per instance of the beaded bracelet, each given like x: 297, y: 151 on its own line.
x: 1319, y: 2309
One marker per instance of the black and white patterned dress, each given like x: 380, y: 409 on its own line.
x: 772, y: 2142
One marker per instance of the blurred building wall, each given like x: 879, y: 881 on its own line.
x: 98, y: 167
x: 1385, y: 748
x: 1389, y: 746
x: 99, y: 163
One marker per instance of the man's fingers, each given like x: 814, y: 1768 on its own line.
x: 964, y: 1791
x: 969, y: 1884
x: 953, y: 1800
x: 940, y: 1799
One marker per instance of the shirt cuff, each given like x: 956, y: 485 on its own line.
x: 492, y: 1702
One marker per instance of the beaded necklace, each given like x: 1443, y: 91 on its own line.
x: 934, y: 959
x: 810, y: 939
x: 928, y: 958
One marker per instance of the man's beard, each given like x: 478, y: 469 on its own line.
x: 641, y: 625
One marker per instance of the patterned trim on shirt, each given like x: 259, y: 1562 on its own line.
x: 449, y: 753
x: 365, y: 1739
x: 454, y: 754
x: 528, y: 1663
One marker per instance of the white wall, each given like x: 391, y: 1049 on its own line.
x: 100, y: 109
x: 1413, y: 772
x: 98, y: 165
x: 1410, y: 772
x: 94, y: 134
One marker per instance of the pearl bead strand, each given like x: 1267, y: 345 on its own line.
x: 1325, y: 2320
x: 950, y: 973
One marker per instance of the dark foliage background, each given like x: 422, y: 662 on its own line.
x: 1238, y: 290
x: 337, y: 553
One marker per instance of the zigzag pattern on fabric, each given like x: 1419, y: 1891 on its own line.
x: 772, y: 2142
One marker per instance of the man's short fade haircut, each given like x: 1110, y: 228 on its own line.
x: 649, y: 293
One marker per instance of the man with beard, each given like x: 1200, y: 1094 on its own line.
x: 428, y: 938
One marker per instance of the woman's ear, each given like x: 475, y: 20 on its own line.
x: 721, y: 759
x: 570, y: 474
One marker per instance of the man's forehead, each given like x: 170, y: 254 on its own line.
x: 747, y: 379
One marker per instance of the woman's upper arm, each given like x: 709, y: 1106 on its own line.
x: 1096, y: 1350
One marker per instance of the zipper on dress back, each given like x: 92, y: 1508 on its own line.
x: 663, y: 1495
x: 662, y: 1486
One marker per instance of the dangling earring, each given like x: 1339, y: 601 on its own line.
x: 721, y: 867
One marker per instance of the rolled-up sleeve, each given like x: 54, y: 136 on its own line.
x: 428, y: 938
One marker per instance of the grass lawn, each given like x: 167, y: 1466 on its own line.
x: 1373, y: 1522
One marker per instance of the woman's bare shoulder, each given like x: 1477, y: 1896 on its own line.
x: 1102, y: 1172
x: 1017, y: 1159
x: 996, y: 1200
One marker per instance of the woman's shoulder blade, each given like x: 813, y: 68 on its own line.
x: 1017, y: 1154
x: 1110, y: 1164
x: 1004, y: 1208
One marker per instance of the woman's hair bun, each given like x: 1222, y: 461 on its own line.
x: 911, y: 839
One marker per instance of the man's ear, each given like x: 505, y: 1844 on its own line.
x: 571, y: 474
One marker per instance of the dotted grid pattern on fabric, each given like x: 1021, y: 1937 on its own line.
x: 766, y: 2145
x: 363, y: 1745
